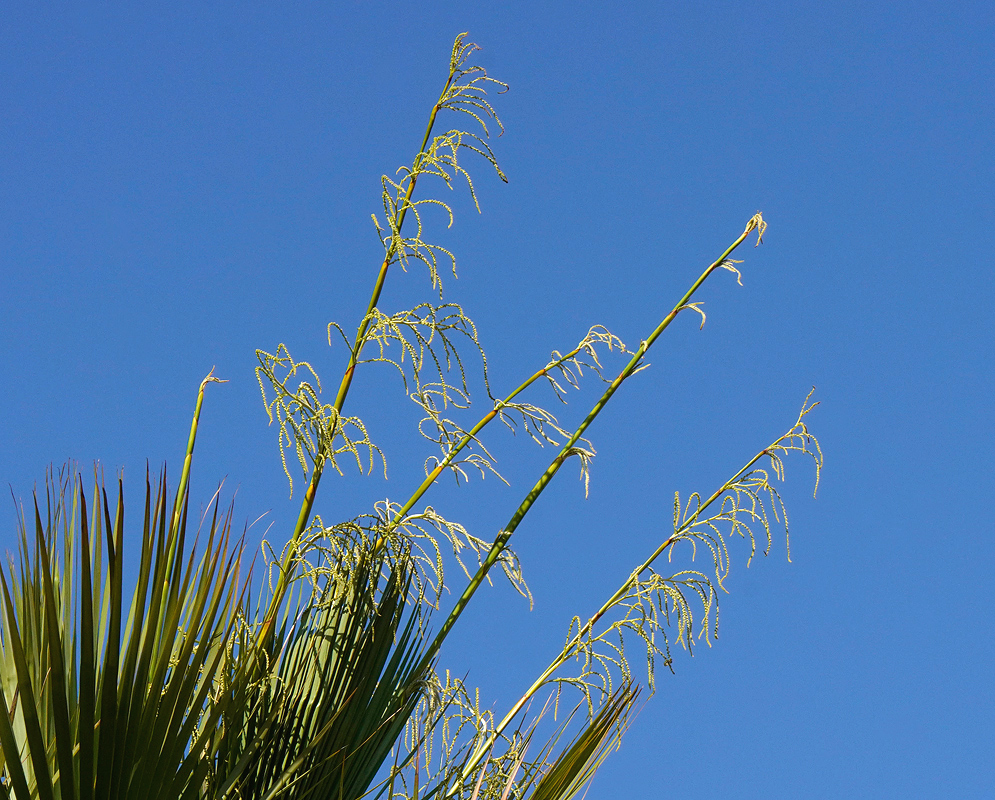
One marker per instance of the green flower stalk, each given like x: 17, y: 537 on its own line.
x: 327, y: 682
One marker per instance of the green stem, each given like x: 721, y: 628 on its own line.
x: 191, y: 441
x: 467, y: 438
x: 571, y: 648
x: 500, y: 543
x: 304, y: 516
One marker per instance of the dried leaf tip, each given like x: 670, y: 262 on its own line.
x: 757, y: 223
x: 211, y: 379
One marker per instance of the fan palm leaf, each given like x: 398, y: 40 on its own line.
x: 103, y: 699
x: 344, y: 680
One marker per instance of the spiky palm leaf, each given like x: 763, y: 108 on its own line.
x: 574, y: 768
x: 342, y: 680
x: 102, y: 699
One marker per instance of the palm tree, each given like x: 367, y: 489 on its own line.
x: 321, y: 677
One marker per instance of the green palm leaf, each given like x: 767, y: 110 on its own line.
x: 345, y: 680
x: 576, y: 765
x: 119, y: 720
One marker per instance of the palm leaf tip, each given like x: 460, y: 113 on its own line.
x: 576, y: 766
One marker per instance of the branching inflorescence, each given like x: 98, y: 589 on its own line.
x: 450, y: 745
x: 331, y: 686
x: 316, y: 432
x: 648, y: 603
x: 465, y: 93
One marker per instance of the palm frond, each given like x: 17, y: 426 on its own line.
x: 343, y: 679
x: 109, y: 706
x: 574, y: 768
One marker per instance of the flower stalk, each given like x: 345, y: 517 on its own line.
x: 501, y: 542
x: 304, y: 516
x: 573, y: 646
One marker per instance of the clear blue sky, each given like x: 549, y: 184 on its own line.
x: 182, y: 185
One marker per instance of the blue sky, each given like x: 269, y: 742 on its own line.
x: 180, y: 186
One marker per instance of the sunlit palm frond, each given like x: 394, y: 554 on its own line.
x: 105, y: 698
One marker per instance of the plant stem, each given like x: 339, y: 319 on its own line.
x: 467, y: 438
x: 191, y: 441
x: 304, y: 517
x: 500, y: 543
x: 571, y: 648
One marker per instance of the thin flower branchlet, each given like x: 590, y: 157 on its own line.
x: 456, y: 444
x: 466, y: 93
x: 316, y: 432
x: 402, y: 249
x: 748, y: 501
x: 539, y: 424
x: 653, y: 604
x: 429, y: 524
x: 440, y: 159
x: 648, y: 604
x: 329, y: 556
x: 585, y: 455
x: 424, y: 335
x: 696, y: 307
x: 730, y: 265
x: 448, y: 724
x: 447, y: 721
x: 570, y: 368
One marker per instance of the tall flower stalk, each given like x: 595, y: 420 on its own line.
x: 322, y: 676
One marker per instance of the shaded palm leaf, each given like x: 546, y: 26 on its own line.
x: 344, y: 680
